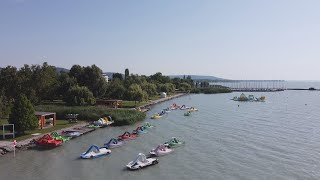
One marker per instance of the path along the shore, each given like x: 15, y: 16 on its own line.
x: 147, y: 106
x: 7, y: 146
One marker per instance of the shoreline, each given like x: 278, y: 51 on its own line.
x: 6, y: 147
x: 146, y: 107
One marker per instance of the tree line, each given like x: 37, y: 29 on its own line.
x: 81, y: 85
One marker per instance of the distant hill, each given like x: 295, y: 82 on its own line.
x: 60, y: 69
x: 194, y: 77
x: 197, y: 77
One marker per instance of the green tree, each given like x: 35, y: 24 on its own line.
x: 5, y: 105
x: 94, y: 80
x: 26, y: 84
x: 185, y: 87
x: 115, y: 90
x: 44, y: 80
x: 149, y: 88
x: 167, y: 87
x: 79, y: 96
x: 136, y: 93
x: 126, y: 73
x: 159, y: 78
x: 91, y: 77
x: 76, y: 71
x: 22, y: 115
x: 9, y: 81
x: 117, y: 76
x: 65, y: 82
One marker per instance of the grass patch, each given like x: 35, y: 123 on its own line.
x: 93, y: 113
x: 133, y: 104
x: 59, y: 125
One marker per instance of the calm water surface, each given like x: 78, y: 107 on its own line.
x: 278, y: 139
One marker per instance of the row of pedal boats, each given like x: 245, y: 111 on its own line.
x: 95, y: 151
x: 141, y: 160
x: 174, y: 107
x: 54, y: 139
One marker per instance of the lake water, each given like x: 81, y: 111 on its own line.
x: 277, y: 139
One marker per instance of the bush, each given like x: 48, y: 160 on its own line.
x: 92, y: 113
x: 79, y: 96
x: 22, y: 115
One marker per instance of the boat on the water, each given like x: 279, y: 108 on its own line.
x: 174, y: 142
x: 193, y: 109
x: 184, y: 107
x: 48, y: 141
x: 71, y: 134
x: 156, y: 116
x: 161, y: 150
x: 139, y: 130
x: 188, y: 113
x: 95, y: 152
x: 114, y: 143
x: 56, y: 136
x: 141, y: 161
x: 126, y: 136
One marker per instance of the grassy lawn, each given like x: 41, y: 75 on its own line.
x: 59, y: 125
x: 132, y: 104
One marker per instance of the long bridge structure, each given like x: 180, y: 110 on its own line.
x: 251, y: 85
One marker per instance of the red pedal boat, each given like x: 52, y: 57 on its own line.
x: 127, y: 135
x: 48, y: 141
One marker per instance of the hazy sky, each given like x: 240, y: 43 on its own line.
x: 234, y: 39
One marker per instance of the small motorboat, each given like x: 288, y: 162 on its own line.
x: 127, y: 135
x: 113, y: 143
x: 48, y: 141
x: 56, y: 136
x: 174, y: 142
x: 147, y: 125
x: 141, y: 162
x: 95, y: 152
x: 156, y: 116
x: 71, y: 134
x: 139, y: 130
x: 161, y: 150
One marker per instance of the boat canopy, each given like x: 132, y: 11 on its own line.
x: 94, y: 148
x: 141, y: 157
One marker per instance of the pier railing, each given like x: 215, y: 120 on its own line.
x: 251, y: 85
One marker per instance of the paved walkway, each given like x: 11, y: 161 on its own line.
x: 161, y: 100
x: 8, y: 145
